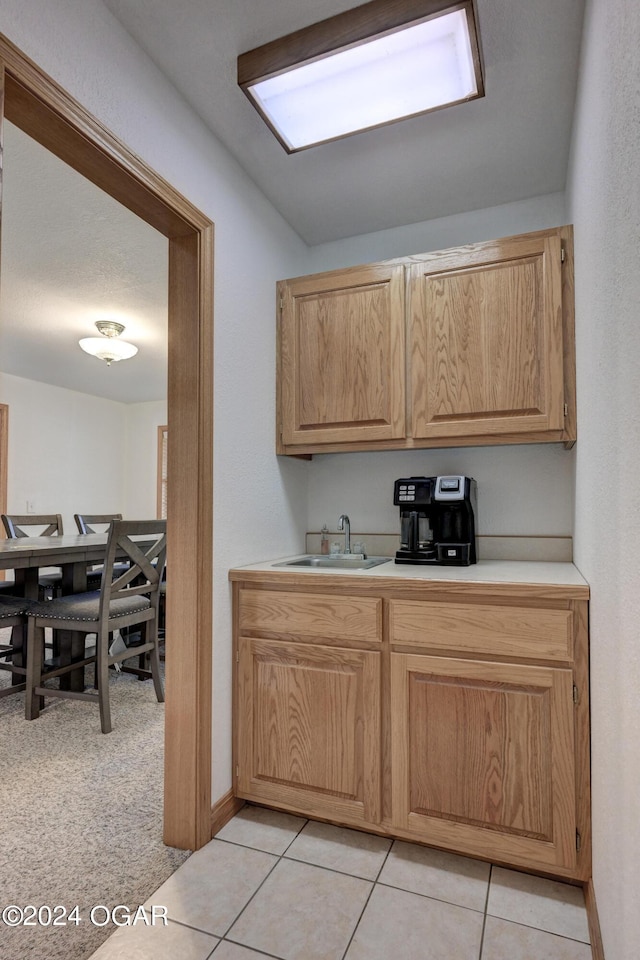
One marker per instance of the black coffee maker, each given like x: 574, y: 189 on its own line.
x: 437, y: 520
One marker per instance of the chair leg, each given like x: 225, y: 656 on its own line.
x: 155, y: 662
x: 35, y: 653
x: 102, y: 674
x: 19, y: 644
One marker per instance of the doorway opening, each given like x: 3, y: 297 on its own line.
x: 44, y: 111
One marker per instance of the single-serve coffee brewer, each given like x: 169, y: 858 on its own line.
x: 437, y: 520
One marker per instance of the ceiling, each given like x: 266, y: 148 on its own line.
x: 509, y: 145
x: 72, y: 255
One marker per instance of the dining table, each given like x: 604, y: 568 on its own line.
x: 73, y: 553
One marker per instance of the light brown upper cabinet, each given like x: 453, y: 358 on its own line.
x: 342, y: 357
x: 473, y: 345
x: 486, y: 340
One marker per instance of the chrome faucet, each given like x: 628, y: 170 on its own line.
x: 344, y: 524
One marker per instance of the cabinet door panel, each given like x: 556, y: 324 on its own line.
x: 486, y: 343
x: 483, y: 757
x: 309, y: 727
x: 342, y: 356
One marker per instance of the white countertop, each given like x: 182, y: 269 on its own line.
x: 485, y: 571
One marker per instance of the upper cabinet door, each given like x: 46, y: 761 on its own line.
x: 342, y: 343
x: 486, y: 340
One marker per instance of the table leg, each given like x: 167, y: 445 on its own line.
x: 71, y: 646
x: 71, y: 643
x: 26, y: 581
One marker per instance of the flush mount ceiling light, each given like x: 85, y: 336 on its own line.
x: 108, y: 347
x: 364, y: 68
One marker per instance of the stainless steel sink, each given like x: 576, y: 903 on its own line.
x: 339, y: 562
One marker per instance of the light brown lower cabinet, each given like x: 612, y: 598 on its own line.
x: 309, y: 730
x: 457, y: 721
x: 483, y: 753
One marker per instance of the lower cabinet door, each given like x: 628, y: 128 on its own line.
x: 483, y: 758
x: 308, y: 728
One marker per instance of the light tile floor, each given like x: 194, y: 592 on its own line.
x: 274, y: 885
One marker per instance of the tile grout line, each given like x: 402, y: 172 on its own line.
x: 366, y: 903
x: 375, y: 882
x: 279, y: 858
x: 236, y: 943
x: 356, y: 876
x: 426, y: 896
x: 529, y: 926
x: 486, y: 906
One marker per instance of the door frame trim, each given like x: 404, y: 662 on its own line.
x: 36, y: 104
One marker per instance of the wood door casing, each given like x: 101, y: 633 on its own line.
x: 342, y: 356
x: 483, y: 757
x: 486, y: 339
x: 308, y: 728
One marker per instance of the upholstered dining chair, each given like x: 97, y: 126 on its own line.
x: 32, y: 525
x: 131, y: 598
x: 13, y: 614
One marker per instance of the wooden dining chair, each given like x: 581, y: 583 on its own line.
x: 13, y: 614
x: 85, y: 522
x: 32, y: 525
x: 131, y: 598
x: 48, y: 525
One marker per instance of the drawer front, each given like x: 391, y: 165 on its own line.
x: 315, y: 616
x: 483, y: 629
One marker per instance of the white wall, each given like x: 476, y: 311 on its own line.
x: 604, y: 203
x: 70, y: 452
x: 260, y: 503
x: 65, y: 450
x: 521, y: 489
x: 508, y: 219
x: 525, y: 490
x: 140, y: 467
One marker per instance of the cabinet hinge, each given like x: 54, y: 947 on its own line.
x: 576, y: 696
x: 578, y: 841
x: 562, y: 255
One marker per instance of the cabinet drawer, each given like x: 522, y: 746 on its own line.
x: 528, y: 632
x: 311, y: 615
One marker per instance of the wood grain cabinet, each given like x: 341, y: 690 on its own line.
x: 308, y: 713
x: 473, y: 345
x: 457, y: 721
x: 483, y: 757
x: 342, y: 356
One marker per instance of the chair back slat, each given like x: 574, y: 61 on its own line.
x: 14, y: 525
x: 147, y: 561
x: 83, y: 520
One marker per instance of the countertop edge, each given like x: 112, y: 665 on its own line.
x: 361, y: 582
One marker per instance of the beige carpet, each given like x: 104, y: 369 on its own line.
x: 81, y: 815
